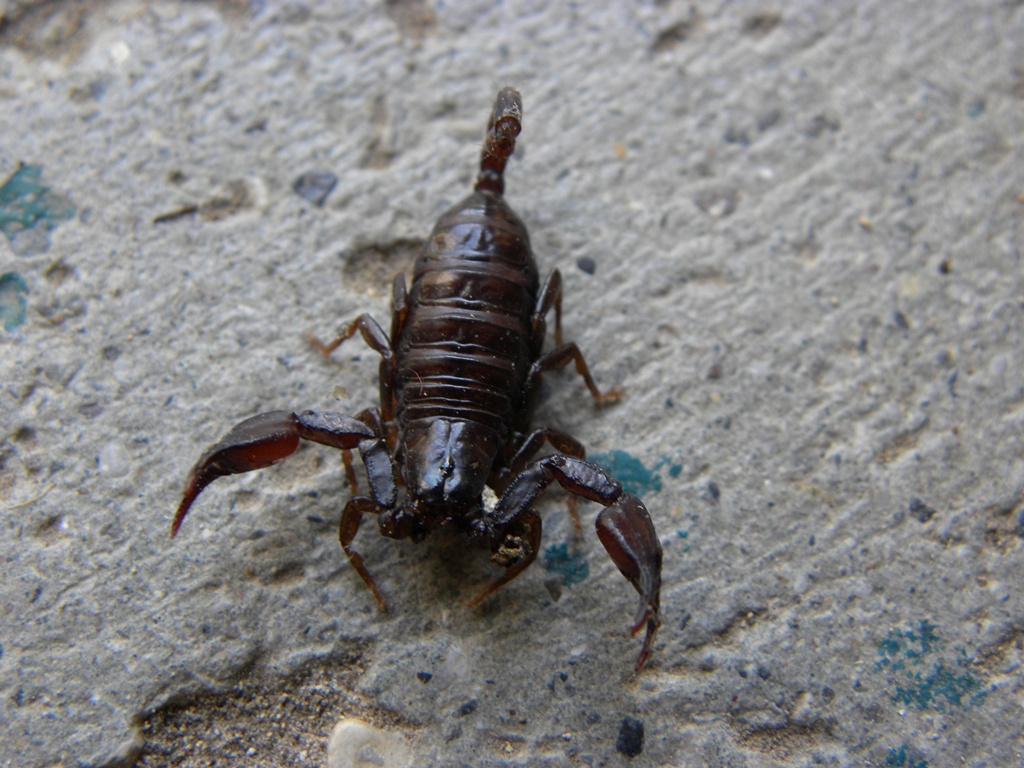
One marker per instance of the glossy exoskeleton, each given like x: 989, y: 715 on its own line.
x: 459, y: 377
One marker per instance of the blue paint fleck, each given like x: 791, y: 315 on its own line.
x: 976, y: 108
x: 571, y: 567
x: 12, y: 300
x: 29, y: 210
x: 630, y: 471
x: 945, y: 685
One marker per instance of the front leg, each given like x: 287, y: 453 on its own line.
x: 624, y: 528
x: 515, y: 552
x: 267, y: 438
x: 350, y: 519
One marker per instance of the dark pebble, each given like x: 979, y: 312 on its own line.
x: 315, y: 186
x: 920, y: 510
x: 631, y: 737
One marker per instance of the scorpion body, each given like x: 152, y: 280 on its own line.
x: 459, y: 377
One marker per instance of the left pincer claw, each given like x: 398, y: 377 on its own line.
x: 627, y: 533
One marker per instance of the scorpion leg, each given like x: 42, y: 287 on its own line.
x: 624, y: 528
x: 557, y: 359
x: 350, y: 519
x: 265, y: 439
x: 516, y: 550
x: 380, y: 471
x: 371, y: 418
x: 550, y: 296
x: 379, y: 342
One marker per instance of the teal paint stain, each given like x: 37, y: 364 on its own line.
x: 631, y: 472
x: 900, y: 647
x: 897, y: 758
x: 12, y: 300
x: 945, y: 684
x: 29, y: 210
x: 684, y: 535
x: 571, y: 567
x: 923, y: 691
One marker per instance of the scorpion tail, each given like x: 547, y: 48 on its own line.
x: 500, y: 143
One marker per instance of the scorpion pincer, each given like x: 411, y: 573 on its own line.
x: 460, y: 374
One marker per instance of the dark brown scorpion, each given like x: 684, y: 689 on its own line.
x: 459, y: 379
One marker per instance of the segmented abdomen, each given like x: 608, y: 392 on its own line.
x: 465, y: 348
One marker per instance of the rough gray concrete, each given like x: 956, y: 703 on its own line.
x: 806, y: 225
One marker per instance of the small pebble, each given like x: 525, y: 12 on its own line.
x: 454, y: 667
x: 920, y: 510
x: 315, y: 186
x: 714, y: 492
x: 586, y: 265
x: 114, y: 460
x: 355, y: 743
x: 718, y: 202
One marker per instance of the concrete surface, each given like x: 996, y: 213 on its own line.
x: 804, y: 222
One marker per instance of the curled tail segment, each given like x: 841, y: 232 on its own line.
x: 500, y: 143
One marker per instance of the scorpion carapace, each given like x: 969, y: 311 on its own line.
x: 459, y: 376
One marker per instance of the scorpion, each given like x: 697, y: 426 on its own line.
x: 459, y: 378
